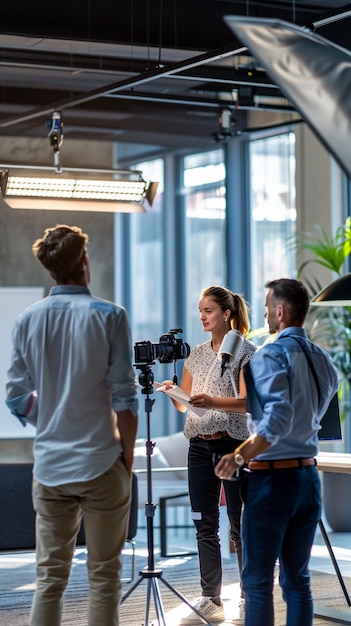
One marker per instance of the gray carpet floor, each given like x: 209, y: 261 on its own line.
x: 17, y: 581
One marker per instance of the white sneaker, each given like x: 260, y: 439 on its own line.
x: 208, y: 609
x: 240, y: 619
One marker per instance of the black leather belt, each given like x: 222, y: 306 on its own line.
x: 281, y: 464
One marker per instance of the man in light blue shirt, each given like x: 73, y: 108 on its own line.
x: 282, y: 495
x: 71, y: 376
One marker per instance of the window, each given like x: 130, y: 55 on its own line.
x: 139, y: 269
x: 273, y: 215
x: 205, y: 223
x: 146, y: 261
x: 169, y: 254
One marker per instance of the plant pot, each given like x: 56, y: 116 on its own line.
x: 337, y: 500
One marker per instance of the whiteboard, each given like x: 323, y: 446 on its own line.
x: 13, y: 300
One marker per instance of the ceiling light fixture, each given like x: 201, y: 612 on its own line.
x: 76, y: 189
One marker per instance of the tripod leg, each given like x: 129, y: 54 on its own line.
x: 147, y: 606
x: 183, y: 598
x: 152, y: 574
x: 132, y: 589
x: 333, y: 559
x: 152, y: 586
x: 158, y: 602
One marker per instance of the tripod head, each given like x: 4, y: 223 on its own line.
x: 146, y: 377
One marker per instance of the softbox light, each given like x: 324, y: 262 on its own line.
x: 313, y: 73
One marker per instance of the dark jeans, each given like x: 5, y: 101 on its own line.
x: 281, y: 512
x: 204, y: 490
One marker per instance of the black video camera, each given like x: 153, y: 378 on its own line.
x: 167, y: 350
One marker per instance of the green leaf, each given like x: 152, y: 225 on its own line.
x: 326, y: 251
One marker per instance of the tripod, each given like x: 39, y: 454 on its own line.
x: 150, y: 574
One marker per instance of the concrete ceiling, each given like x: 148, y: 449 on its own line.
x: 143, y: 73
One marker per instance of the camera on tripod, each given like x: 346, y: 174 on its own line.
x: 168, y: 349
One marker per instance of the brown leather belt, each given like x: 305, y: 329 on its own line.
x: 281, y: 464
x: 218, y: 435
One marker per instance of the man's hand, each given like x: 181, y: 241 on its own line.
x: 127, y: 425
x: 249, y: 449
x: 128, y: 460
x: 226, y: 467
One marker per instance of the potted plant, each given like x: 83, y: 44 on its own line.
x: 330, y: 327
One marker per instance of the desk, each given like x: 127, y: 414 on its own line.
x: 338, y: 463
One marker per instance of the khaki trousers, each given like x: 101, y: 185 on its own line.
x: 104, y: 504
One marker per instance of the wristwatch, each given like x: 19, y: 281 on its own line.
x: 239, y: 459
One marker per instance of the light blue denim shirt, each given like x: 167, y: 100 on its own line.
x: 288, y: 394
x: 71, y: 368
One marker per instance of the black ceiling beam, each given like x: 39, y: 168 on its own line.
x: 125, y: 84
x: 229, y: 77
x: 41, y: 59
x: 141, y: 22
x: 76, y: 63
x: 196, y: 102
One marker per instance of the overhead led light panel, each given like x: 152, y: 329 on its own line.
x: 87, y: 191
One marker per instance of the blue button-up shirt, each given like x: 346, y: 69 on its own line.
x: 71, y: 370
x: 285, y: 387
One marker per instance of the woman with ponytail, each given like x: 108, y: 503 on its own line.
x: 219, y: 430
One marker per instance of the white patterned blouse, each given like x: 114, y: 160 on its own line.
x: 205, y: 369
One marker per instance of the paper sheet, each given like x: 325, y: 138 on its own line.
x: 176, y: 393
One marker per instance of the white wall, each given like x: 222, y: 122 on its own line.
x: 319, y: 186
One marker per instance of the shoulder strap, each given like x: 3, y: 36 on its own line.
x: 310, y: 362
x: 253, y: 404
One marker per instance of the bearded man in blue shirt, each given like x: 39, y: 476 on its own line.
x: 71, y: 376
x: 282, y: 496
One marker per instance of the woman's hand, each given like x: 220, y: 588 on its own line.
x: 201, y: 400
x: 168, y: 384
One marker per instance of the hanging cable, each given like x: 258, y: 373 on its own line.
x: 160, y: 34
x: 148, y: 32
x: 175, y: 25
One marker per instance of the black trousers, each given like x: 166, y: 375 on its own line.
x: 204, y: 490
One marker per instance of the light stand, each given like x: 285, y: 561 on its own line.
x: 150, y: 574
